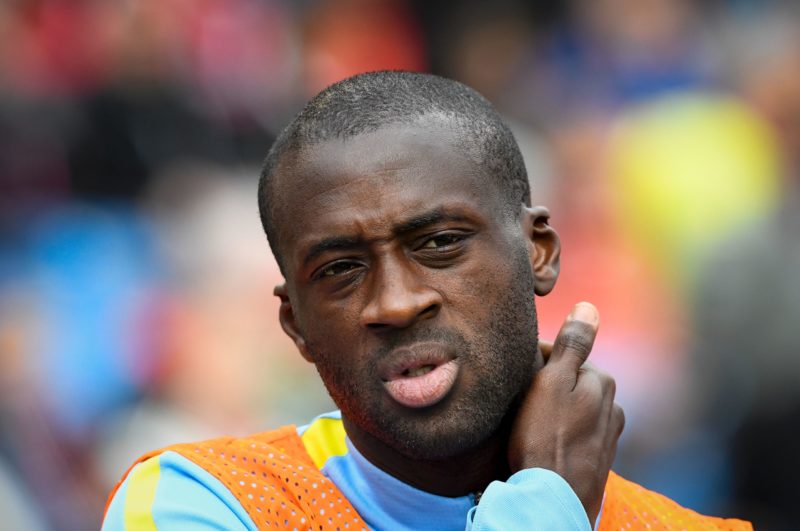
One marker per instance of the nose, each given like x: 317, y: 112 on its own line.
x: 398, y: 297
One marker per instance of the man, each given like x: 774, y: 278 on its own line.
x: 398, y: 208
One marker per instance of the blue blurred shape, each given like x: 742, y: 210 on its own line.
x: 95, y: 273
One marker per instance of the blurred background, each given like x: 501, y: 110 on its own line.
x: 135, y: 282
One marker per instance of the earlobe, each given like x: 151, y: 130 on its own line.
x: 289, y: 322
x: 544, y: 247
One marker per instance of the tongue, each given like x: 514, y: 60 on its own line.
x: 424, y: 390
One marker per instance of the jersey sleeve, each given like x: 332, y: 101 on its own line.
x: 530, y: 499
x: 169, y: 492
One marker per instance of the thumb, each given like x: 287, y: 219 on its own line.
x: 576, y: 337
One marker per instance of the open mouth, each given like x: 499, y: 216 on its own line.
x: 420, y: 376
x: 420, y: 371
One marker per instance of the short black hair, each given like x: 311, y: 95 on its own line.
x: 367, y: 102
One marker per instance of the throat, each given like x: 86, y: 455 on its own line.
x: 455, y: 476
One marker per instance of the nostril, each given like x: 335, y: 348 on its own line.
x: 429, y: 311
x: 377, y: 326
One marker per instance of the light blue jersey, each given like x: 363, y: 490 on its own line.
x: 169, y: 492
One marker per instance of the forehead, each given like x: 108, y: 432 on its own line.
x: 370, y: 181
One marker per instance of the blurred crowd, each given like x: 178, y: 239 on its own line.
x: 136, y: 305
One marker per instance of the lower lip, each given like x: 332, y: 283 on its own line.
x: 425, y: 390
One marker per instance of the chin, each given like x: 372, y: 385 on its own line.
x: 442, y: 433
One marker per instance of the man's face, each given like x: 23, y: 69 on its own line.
x: 409, y: 286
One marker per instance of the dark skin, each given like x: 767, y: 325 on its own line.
x: 396, y: 233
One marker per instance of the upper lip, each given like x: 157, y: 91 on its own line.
x: 409, y: 357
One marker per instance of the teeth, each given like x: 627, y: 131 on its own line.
x: 419, y: 371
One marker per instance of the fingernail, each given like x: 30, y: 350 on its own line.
x: 585, y: 312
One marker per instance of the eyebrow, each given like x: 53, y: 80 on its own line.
x: 343, y: 243
x: 337, y: 243
x: 437, y: 215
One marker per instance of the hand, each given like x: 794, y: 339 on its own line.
x: 568, y: 421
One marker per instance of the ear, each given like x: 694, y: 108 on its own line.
x: 289, y: 322
x: 544, y: 246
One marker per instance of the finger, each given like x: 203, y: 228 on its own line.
x: 576, y: 337
x: 545, y: 347
x: 589, y: 370
x: 619, y: 418
x: 590, y: 385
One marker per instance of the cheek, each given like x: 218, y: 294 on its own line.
x: 475, y: 289
x: 335, y: 341
x: 328, y: 322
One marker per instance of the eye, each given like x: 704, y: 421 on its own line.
x: 334, y: 269
x: 443, y: 241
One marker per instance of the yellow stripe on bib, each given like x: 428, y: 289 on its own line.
x: 140, y: 495
x: 324, y: 439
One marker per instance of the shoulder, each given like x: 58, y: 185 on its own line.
x: 228, y: 483
x: 197, y: 482
x: 628, y: 504
x: 168, y: 491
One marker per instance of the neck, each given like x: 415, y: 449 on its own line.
x: 458, y: 475
x: 467, y: 473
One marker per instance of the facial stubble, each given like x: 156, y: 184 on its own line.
x: 500, y: 360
